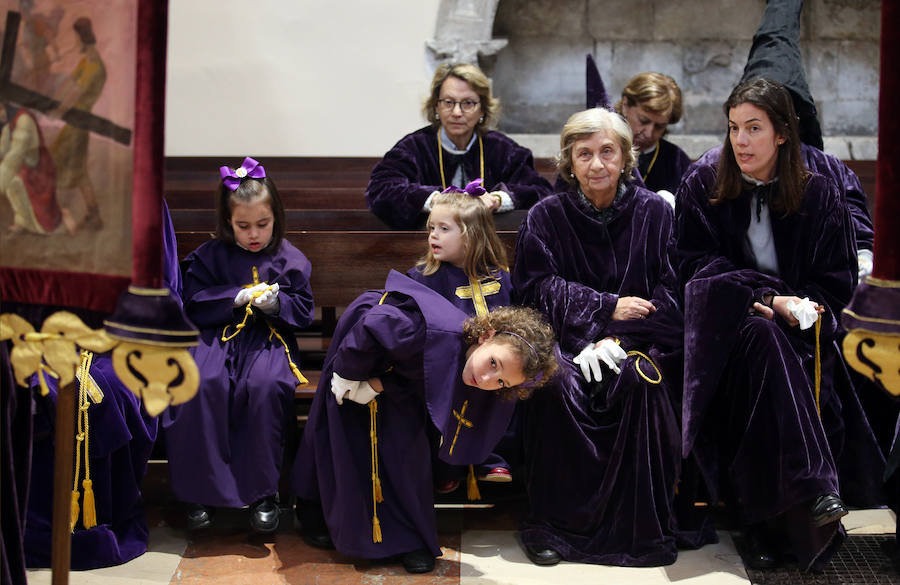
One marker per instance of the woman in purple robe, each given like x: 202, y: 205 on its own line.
x: 456, y: 148
x: 248, y: 293
x: 400, y: 361
x: 650, y: 103
x: 765, y: 250
x: 602, y: 442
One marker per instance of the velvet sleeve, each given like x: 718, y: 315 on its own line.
x: 518, y: 177
x: 396, y: 192
x: 385, y: 335
x: 579, y: 314
x: 207, y: 302
x: 854, y: 197
x: 698, y: 252
x: 295, y: 310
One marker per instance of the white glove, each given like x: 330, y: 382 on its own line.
x: 363, y: 393
x: 341, y: 387
x: 866, y: 263
x: 667, y: 195
x: 426, y: 207
x: 804, y: 311
x: 245, y: 294
x: 268, y: 300
x: 607, y: 350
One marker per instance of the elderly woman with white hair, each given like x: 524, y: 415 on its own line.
x: 602, y: 440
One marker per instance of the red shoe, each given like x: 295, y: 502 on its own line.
x: 447, y: 486
x: 497, y: 475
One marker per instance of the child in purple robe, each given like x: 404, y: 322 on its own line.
x: 248, y: 292
x: 767, y: 256
x: 456, y: 148
x: 466, y: 264
x: 400, y: 361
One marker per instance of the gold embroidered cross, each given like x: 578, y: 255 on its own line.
x: 462, y: 421
x: 477, y: 291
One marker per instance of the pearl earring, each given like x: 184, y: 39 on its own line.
x: 436, y: 117
x: 572, y: 175
x: 481, y: 119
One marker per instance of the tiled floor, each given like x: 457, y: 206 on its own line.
x: 480, y: 548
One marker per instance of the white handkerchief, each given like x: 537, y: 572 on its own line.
x: 804, y: 311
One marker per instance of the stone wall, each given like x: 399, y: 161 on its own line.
x: 702, y: 44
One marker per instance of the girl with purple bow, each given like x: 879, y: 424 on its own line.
x: 466, y: 264
x: 248, y: 292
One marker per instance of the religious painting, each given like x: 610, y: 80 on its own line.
x: 67, y: 87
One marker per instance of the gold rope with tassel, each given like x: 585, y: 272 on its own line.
x: 89, y: 510
x: 248, y: 310
x: 638, y: 369
x: 376, y: 481
x: 80, y: 437
x: 818, y: 365
x: 472, y: 491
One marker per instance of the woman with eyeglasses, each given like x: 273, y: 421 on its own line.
x: 455, y: 149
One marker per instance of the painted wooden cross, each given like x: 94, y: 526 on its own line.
x: 22, y: 96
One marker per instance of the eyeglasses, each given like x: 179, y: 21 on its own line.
x: 464, y: 105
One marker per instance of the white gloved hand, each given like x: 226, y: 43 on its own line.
x: 268, y: 300
x: 363, y: 393
x: 426, y: 207
x: 667, y: 195
x: 611, y: 354
x: 341, y: 387
x: 804, y: 311
x: 590, y: 357
x: 866, y: 263
x: 245, y: 294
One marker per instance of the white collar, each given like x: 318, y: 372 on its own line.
x: 450, y: 147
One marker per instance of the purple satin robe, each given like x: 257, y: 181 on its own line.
x: 411, y: 338
x: 602, y: 459
x: 410, y: 172
x: 16, y: 430
x: 225, y: 445
x: 750, y: 412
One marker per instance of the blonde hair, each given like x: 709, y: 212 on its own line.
x: 484, y: 252
x: 528, y: 334
x: 655, y: 92
x: 475, y: 77
x: 583, y: 124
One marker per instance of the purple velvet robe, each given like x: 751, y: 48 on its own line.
x: 750, y: 412
x: 830, y: 166
x: 602, y: 459
x: 121, y: 441
x: 410, y: 172
x: 668, y: 168
x: 16, y: 430
x: 446, y: 281
x: 225, y: 446
x: 121, y: 435
x: 412, y: 339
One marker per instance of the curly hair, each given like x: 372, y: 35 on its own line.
x: 529, y: 334
x: 484, y: 252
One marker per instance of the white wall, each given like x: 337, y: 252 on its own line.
x: 295, y: 77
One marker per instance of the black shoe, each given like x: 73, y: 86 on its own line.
x: 417, y: 561
x: 199, y: 517
x: 827, y: 509
x: 544, y: 557
x: 264, y: 515
x: 759, y: 554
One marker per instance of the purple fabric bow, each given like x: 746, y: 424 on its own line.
x: 231, y: 178
x: 474, y: 188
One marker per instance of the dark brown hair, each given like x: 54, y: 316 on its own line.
x: 85, y: 31
x: 249, y: 191
x: 772, y: 98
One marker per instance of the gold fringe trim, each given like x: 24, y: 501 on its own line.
x: 377, y: 496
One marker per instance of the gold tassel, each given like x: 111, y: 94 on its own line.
x: 73, y: 519
x: 376, y: 529
x: 818, y: 365
x: 90, y: 512
x: 472, y: 486
x: 376, y: 483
